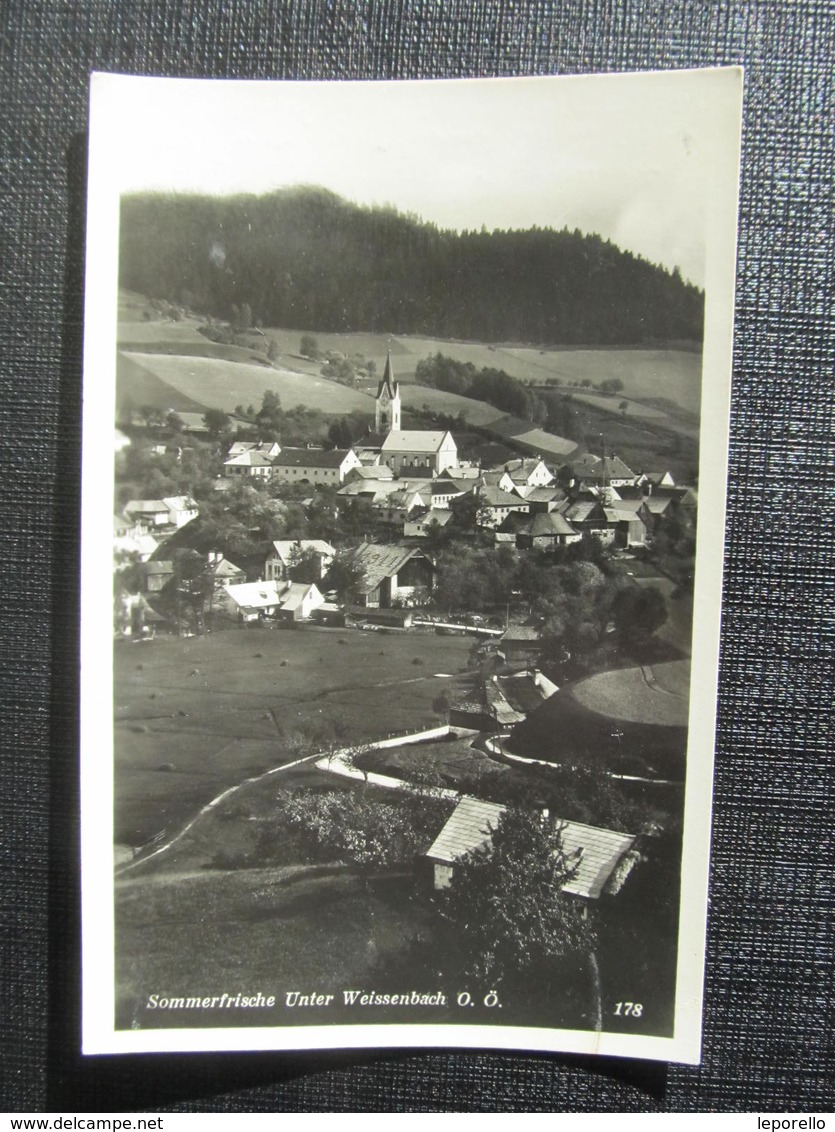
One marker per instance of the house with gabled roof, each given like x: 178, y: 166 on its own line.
x: 420, y: 522
x: 601, y: 858
x: 269, y: 448
x: 172, y: 512
x: 314, y: 465
x: 251, y: 463
x: 528, y: 471
x: 285, y: 553
x: 392, y: 574
x: 251, y: 602
x: 602, y: 471
x: 546, y: 530
x: 495, y: 505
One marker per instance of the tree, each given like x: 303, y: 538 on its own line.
x: 506, y: 908
x: 309, y: 347
x: 346, y: 577
x: 218, y: 425
x: 638, y: 611
x: 270, y: 417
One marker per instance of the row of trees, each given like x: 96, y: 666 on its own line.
x: 303, y: 257
x: 546, y: 407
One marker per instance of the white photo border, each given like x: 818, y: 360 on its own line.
x: 722, y: 87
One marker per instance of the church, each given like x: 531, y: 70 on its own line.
x: 408, y: 452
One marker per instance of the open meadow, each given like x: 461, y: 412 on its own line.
x: 217, y: 383
x: 195, y: 716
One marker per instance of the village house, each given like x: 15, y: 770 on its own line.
x: 252, y: 463
x: 314, y: 465
x: 251, y: 602
x: 603, y: 471
x: 163, y: 514
x: 494, y: 505
x: 420, y: 522
x: 270, y: 448
x: 285, y: 553
x: 131, y: 541
x: 526, y: 472
x: 222, y: 572
x: 392, y: 574
x: 154, y: 575
x: 521, y: 644
x: 546, y: 531
x: 601, y: 858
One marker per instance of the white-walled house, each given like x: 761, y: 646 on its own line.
x: 254, y: 601
x: 314, y: 465
x: 285, y: 552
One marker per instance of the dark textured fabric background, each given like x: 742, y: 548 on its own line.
x: 769, y: 1016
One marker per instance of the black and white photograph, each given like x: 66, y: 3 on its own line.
x: 402, y: 572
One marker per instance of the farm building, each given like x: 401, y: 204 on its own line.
x: 601, y: 856
x: 521, y: 644
x: 314, y: 465
x: 392, y: 573
x: 173, y: 512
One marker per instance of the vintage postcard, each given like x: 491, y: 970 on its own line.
x: 402, y: 580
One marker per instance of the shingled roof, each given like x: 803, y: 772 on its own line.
x: 380, y: 562
x: 595, y: 852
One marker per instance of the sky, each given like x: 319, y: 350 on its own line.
x: 626, y: 156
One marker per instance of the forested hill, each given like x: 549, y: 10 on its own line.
x: 306, y: 259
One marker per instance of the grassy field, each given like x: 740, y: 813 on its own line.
x: 647, y: 374
x: 214, y: 710
x: 651, y: 694
x: 170, y: 365
x: 223, y: 385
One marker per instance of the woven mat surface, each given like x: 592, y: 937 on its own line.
x: 769, y: 1006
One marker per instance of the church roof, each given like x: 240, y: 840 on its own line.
x: 414, y: 440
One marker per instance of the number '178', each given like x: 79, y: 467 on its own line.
x: 629, y: 1009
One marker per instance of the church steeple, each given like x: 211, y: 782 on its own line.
x: 387, y: 408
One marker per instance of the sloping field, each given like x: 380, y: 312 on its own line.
x: 439, y: 401
x: 655, y: 694
x: 672, y: 374
x: 223, y: 385
x: 646, y: 374
x: 137, y: 384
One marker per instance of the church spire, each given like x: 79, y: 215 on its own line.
x: 387, y: 408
